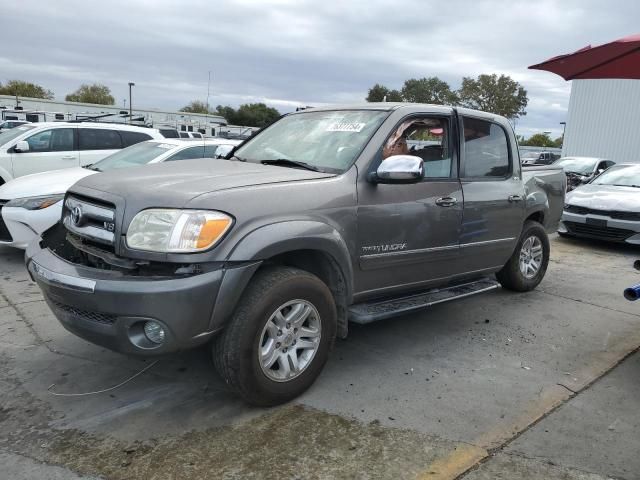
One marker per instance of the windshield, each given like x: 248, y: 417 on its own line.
x: 623, y: 175
x: 135, y: 155
x: 583, y: 166
x: 328, y: 140
x: 8, y: 135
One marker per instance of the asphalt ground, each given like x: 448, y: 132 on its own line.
x: 500, y: 385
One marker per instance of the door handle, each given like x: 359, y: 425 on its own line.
x: 446, y: 201
x: 69, y: 157
x: 514, y: 198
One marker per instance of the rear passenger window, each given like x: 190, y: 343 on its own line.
x: 486, y: 149
x: 98, y: 139
x: 131, y: 138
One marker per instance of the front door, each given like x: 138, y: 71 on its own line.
x: 408, y: 233
x: 50, y: 149
x: 494, y: 196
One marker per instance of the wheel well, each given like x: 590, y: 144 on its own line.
x: 536, y: 217
x: 327, y: 269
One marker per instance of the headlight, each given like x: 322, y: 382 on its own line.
x: 35, y: 203
x: 164, y: 230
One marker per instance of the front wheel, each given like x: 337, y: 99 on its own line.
x: 528, y: 263
x: 279, y: 338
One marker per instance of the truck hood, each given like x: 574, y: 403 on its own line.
x: 173, y: 184
x: 605, y: 197
x: 46, y: 183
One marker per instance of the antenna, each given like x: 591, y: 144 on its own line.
x: 208, y: 91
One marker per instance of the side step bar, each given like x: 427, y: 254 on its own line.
x: 381, y: 309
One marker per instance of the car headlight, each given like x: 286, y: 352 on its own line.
x: 35, y: 203
x: 165, y: 230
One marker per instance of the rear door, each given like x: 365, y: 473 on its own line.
x: 96, y: 143
x: 50, y: 149
x: 494, y: 195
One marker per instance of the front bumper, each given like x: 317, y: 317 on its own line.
x: 23, y: 226
x: 600, y: 227
x: 110, y: 309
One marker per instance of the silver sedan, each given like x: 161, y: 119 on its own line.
x: 607, y: 208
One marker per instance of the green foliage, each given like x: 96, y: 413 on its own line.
x: 96, y: 93
x: 538, y: 140
x: 501, y: 95
x: 558, y: 142
x: 378, y: 92
x: 196, y: 106
x: 25, y: 89
x: 250, y: 115
x: 428, y: 90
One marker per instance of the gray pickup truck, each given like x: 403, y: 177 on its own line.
x: 330, y: 215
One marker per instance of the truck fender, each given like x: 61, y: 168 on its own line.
x: 276, y: 239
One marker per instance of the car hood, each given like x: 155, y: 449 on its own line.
x: 173, y: 184
x: 606, y: 197
x: 46, y: 183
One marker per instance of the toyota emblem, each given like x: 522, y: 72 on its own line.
x: 76, y: 216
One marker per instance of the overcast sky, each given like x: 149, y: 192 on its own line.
x: 288, y: 53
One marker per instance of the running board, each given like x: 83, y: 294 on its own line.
x: 379, y: 310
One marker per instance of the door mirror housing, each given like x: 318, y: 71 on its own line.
x: 21, y: 147
x: 399, y: 169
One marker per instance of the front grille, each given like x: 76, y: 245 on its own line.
x: 608, y: 233
x: 5, y: 236
x: 91, y: 219
x: 98, y: 317
x: 634, y: 216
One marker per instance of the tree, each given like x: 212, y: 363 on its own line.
x: 229, y: 113
x: 539, y: 140
x: 196, y: 106
x: 25, y: 89
x: 256, y: 115
x: 501, y: 95
x: 428, y: 90
x: 380, y: 93
x: 96, y: 93
x: 558, y: 141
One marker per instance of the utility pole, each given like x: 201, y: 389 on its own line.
x: 131, y: 84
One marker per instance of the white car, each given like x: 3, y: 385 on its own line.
x: 40, y: 147
x: 31, y: 204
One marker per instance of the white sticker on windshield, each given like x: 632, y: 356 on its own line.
x: 166, y: 146
x: 345, y: 127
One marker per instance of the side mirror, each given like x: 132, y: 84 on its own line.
x: 600, y: 170
x: 21, y: 147
x: 399, y: 169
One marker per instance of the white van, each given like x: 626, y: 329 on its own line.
x: 40, y: 147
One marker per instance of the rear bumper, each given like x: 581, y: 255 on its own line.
x: 600, y: 227
x: 110, y: 309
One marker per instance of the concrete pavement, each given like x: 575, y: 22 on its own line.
x: 462, y: 387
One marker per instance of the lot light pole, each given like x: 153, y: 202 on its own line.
x: 564, y: 128
x: 131, y: 84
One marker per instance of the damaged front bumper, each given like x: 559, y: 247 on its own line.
x: 110, y: 308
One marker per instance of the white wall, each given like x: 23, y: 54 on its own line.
x: 604, y: 120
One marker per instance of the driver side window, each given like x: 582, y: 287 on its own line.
x: 424, y: 137
x: 55, y: 140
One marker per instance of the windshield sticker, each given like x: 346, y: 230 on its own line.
x: 345, y: 127
x: 166, y: 146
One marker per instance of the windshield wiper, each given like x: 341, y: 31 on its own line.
x: 285, y: 162
x: 91, y: 167
x: 240, y: 159
x: 618, y: 185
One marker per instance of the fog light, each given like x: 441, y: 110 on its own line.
x: 154, y: 332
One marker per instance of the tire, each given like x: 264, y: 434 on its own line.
x: 236, y: 352
x: 512, y: 277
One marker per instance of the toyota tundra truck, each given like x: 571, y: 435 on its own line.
x: 329, y: 216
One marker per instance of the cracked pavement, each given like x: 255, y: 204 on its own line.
x: 482, y: 388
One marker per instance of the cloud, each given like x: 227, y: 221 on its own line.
x: 289, y: 53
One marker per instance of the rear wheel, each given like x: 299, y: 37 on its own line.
x: 279, y: 338
x: 528, y: 263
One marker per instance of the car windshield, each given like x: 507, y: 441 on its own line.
x: 135, y: 155
x: 8, y: 135
x: 583, y: 166
x: 327, y: 141
x: 622, y: 175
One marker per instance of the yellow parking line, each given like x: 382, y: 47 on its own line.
x: 462, y: 458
